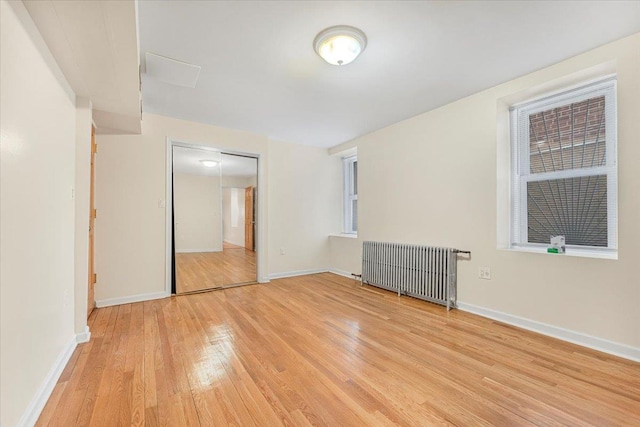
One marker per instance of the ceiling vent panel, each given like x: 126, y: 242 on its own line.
x: 171, y: 71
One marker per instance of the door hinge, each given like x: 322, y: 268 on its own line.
x: 95, y: 213
x: 95, y: 278
x: 94, y: 148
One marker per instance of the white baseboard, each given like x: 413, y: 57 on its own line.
x: 83, y: 337
x: 131, y: 299
x: 296, y: 273
x: 40, y: 398
x: 191, y: 251
x: 305, y: 272
x: 622, y: 350
x: 341, y: 273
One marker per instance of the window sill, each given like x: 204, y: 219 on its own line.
x: 571, y: 251
x: 345, y: 235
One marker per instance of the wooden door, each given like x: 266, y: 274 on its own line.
x: 249, y: 219
x: 92, y: 219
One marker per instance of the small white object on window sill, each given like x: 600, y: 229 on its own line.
x: 557, y: 245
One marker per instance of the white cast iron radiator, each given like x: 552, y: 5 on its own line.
x: 424, y: 272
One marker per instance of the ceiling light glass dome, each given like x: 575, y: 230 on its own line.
x: 340, y: 45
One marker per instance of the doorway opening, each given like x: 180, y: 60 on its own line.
x: 213, y: 215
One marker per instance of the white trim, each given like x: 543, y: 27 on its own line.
x: 567, y: 173
x: 578, y: 88
x: 40, y: 398
x: 192, y: 251
x: 131, y: 299
x: 349, y: 195
x: 521, y: 174
x: 84, y: 337
x: 341, y: 273
x: 168, y: 209
x: 621, y: 350
x: 307, y: 272
x: 347, y: 235
x: 296, y: 273
x: 574, y: 251
x: 353, y: 151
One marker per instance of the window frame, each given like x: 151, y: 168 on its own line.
x: 521, y: 173
x: 349, y: 194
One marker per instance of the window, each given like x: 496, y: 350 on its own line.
x: 564, y: 169
x: 350, y: 194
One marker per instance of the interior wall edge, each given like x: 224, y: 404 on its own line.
x: 84, y: 336
x: 197, y: 250
x: 82, y: 184
x: 284, y: 274
x: 585, y: 340
x: 37, y: 223
x: 40, y: 398
x: 342, y: 273
x: 131, y: 299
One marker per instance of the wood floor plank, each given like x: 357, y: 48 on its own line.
x: 258, y: 408
x: 50, y: 408
x: 135, y: 366
x: 196, y: 271
x: 91, y: 377
x: 322, y: 350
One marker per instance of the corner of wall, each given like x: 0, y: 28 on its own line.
x: 36, y: 405
x: 82, y: 182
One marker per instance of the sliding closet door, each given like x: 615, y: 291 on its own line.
x: 239, y: 184
x: 197, y: 205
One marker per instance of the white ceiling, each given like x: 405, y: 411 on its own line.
x: 261, y: 74
x: 188, y: 161
x: 95, y: 43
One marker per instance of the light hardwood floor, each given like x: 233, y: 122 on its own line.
x: 197, y: 271
x: 321, y: 350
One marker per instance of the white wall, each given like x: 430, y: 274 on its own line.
x: 198, y: 216
x: 345, y: 254
x: 239, y: 181
x: 304, y: 193
x: 233, y: 228
x: 130, y: 186
x: 433, y: 179
x: 38, y: 125
x: 82, y: 184
x: 299, y: 186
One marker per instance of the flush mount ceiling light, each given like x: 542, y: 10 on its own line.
x: 209, y: 163
x: 340, y: 45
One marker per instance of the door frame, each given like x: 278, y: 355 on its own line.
x: 252, y: 217
x: 91, y: 255
x: 260, y: 235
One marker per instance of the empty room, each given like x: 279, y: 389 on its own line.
x: 319, y: 213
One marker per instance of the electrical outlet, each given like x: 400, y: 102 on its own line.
x: 484, y: 273
x: 281, y: 251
